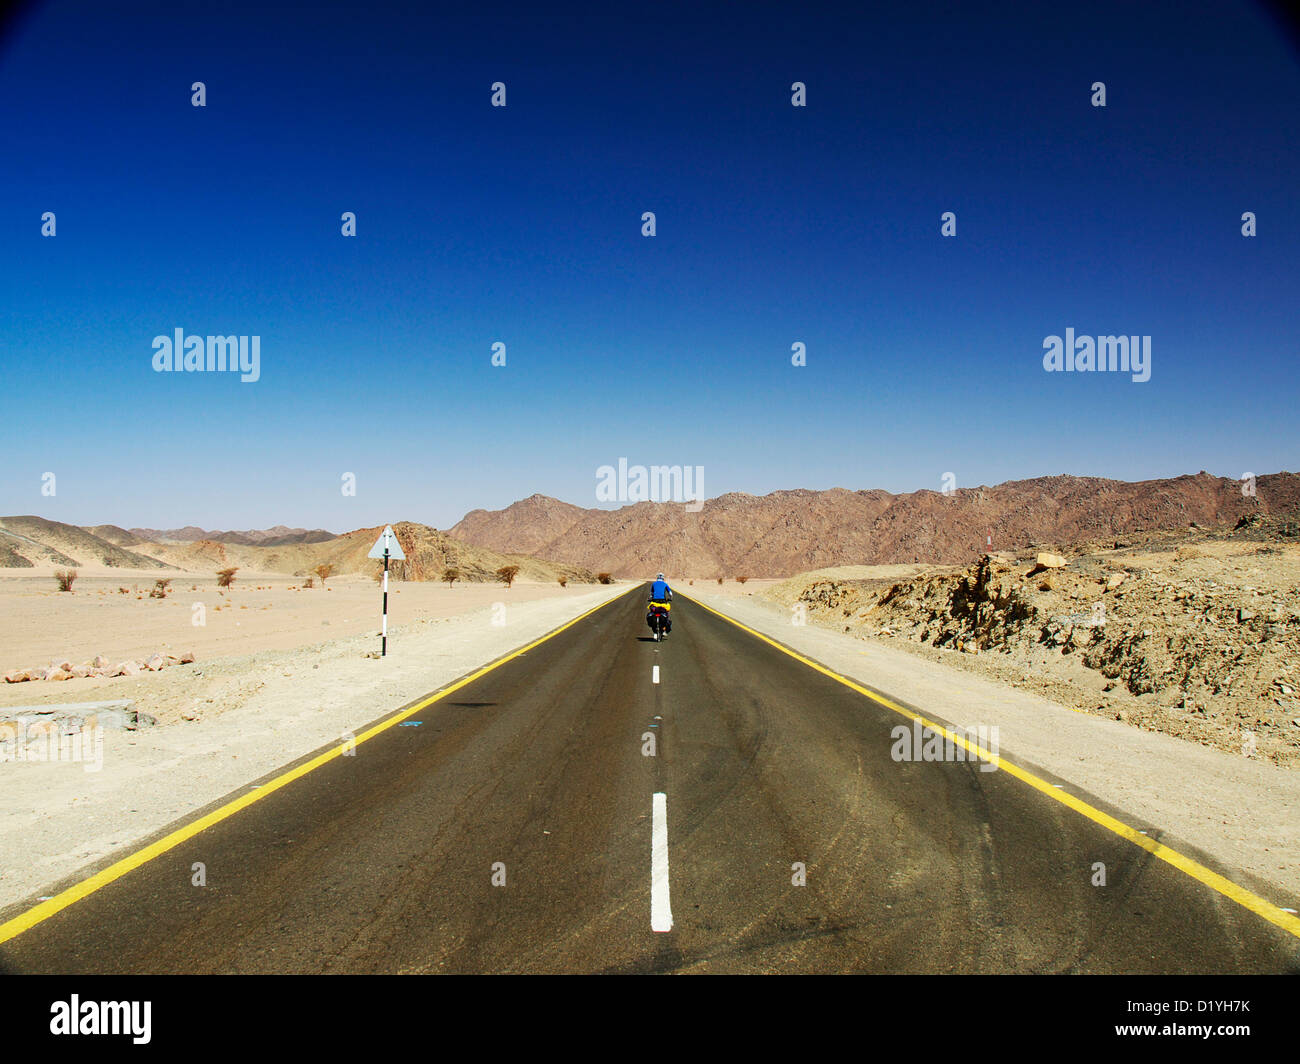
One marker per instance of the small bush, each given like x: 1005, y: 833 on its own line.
x: 507, y: 573
x: 226, y: 577
x: 604, y: 578
x: 324, y: 572
x: 160, y: 588
x: 741, y: 579
x: 564, y: 581
x: 309, y: 582
x: 719, y: 580
x: 450, y: 576
x: 64, y: 578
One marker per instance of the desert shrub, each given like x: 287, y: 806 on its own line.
x: 741, y: 579
x: 507, y: 573
x: 160, y: 588
x: 324, y: 572
x: 563, y: 581
x: 604, y: 578
x: 309, y: 582
x: 226, y: 577
x: 450, y: 576
x: 64, y: 578
x: 124, y: 591
x: 719, y: 580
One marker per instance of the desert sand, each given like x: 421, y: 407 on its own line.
x: 260, y: 612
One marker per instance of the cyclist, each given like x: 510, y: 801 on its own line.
x: 662, y: 595
x: 660, y: 591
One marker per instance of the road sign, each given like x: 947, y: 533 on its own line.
x: 387, y: 544
x: 386, y: 547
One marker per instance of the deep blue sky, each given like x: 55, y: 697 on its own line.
x: 775, y: 224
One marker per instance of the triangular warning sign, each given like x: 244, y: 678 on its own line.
x: 387, y: 542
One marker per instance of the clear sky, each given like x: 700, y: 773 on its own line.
x: 522, y: 224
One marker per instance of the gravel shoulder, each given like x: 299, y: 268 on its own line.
x: 1237, y: 811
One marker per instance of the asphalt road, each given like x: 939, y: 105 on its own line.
x: 384, y: 861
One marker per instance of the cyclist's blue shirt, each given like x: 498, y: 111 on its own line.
x: 660, y: 591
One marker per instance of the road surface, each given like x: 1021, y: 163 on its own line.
x: 524, y: 824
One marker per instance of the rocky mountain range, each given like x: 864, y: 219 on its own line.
x: 29, y: 542
x: 279, y: 536
x: 788, y: 532
x: 737, y: 534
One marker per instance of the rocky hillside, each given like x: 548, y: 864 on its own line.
x: 1194, y: 634
x: 119, y: 537
x: 794, y: 531
x: 528, y: 526
x: 34, y: 541
x: 429, y: 553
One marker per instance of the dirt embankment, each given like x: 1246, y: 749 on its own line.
x: 1194, y: 634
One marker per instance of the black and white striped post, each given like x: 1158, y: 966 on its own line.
x: 386, y: 546
x: 383, y: 632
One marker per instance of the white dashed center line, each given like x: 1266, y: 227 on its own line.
x: 661, y: 913
x: 654, y: 675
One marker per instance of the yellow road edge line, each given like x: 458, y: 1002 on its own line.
x: 1234, y: 892
x: 44, y: 910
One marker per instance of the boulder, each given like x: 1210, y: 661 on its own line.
x: 18, y: 676
x: 60, y: 674
x: 101, y: 662
x: 155, y: 663
x: 1050, y: 561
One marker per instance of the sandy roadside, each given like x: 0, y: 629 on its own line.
x: 261, y: 611
x: 57, y: 819
x: 1236, y: 811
